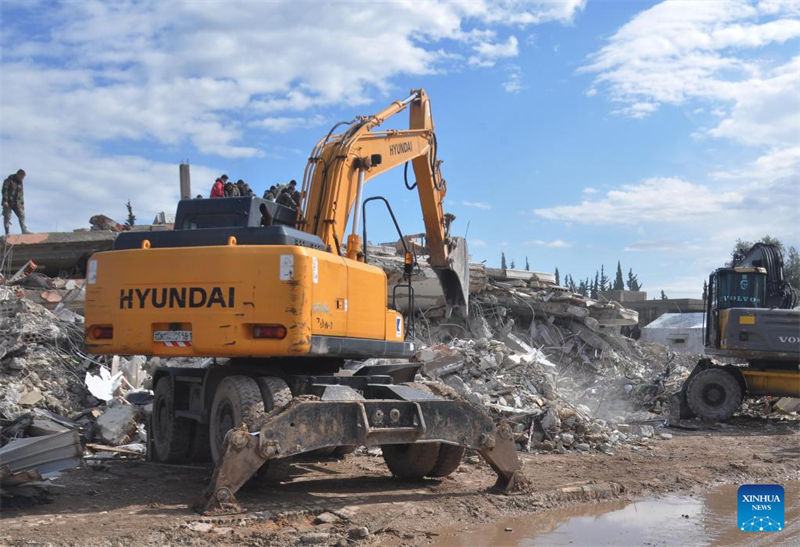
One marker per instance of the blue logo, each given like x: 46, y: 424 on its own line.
x: 761, y: 508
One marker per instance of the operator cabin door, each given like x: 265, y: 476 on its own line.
x: 329, y: 305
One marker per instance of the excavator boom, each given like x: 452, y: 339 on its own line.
x: 341, y: 164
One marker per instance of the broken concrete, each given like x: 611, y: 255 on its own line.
x: 118, y: 424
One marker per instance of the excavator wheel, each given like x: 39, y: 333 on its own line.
x: 714, y: 394
x: 275, y: 392
x: 448, y: 460
x: 238, y: 400
x: 171, y: 436
x: 200, y: 450
x: 276, y: 395
x: 410, y: 462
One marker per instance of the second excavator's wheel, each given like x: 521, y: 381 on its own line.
x: 448, y: 460
x: 237, y: 400
x: 714, y: 394
x: 410, y: 462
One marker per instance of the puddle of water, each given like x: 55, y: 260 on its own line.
x: 709, y: 519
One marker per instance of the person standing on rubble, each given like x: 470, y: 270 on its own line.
x: 14, y: 201
x: 218, y: 190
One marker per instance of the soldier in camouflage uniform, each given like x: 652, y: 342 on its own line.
x: 13, y: 200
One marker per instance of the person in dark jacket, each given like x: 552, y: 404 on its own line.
x: 14, y: 201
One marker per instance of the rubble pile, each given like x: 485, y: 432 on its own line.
x: 547, y: 409
x: 550, y: 362
x: 41, y: 359
x: 55, y: 400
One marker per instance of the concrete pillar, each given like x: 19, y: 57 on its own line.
x: 186, y: 183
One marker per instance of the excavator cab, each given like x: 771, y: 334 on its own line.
x: 732, y: 288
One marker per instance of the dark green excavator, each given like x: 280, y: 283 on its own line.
x: 752, y: 328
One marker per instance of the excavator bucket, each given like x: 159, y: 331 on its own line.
x: 454, y: 277
x: 306, y: 425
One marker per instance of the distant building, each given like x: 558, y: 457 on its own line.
x: 681, y: 332
x: 650, y: 310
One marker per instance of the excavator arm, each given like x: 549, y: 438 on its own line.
x: 341, y: 164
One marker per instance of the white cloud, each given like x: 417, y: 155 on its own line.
x: 513, y: 82
x: 672, y: 54
x: 282, y: 124
x: 654, y: 200
x: 477, y: 205
x: 488, y: 53
x: 661, y: 245
x: 589, y: 191
x: 555, y: 244
x: 773, y: 166
x: 81, y: 78
x: 477, y: 243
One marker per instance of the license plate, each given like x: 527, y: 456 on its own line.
x: 172, y: 336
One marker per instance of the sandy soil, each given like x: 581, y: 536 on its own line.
x: 141, y: 503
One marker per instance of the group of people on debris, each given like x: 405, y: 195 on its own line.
x: 223, y: 188
x: 284, y: 194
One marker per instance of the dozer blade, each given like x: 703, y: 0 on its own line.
x: 454, y: 277
x: 309, y: 425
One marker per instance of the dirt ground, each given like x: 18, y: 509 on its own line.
x: 142, y: 503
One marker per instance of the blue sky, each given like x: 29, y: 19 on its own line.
x: 573, y: 133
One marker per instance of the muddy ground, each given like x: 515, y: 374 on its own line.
x: 141, y: 503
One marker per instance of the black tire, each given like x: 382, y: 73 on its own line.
x: 172, y: 436
x: 275, y: 392
x: 714, y: 394
x: 410, y: 462
x: 276, y: 395
x: 200, y: 451
x: 237, y: 401
x: 448, y: 460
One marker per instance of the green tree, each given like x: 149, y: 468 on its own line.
x: 619, y: 283
x: 512, y: 264
x: 603, y: 279
x: 705, y: 289
x: 503, y: 261
x: 558, y: 278
x: 131, y: 217
x: 633, y: 281
x: 791, y: 268
x: 528, y: 266
x: 664, y: 295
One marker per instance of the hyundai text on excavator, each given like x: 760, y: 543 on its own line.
x: 279, y: 299
x: 751, y: 320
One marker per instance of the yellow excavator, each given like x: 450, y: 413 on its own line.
x: 279, y: 299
